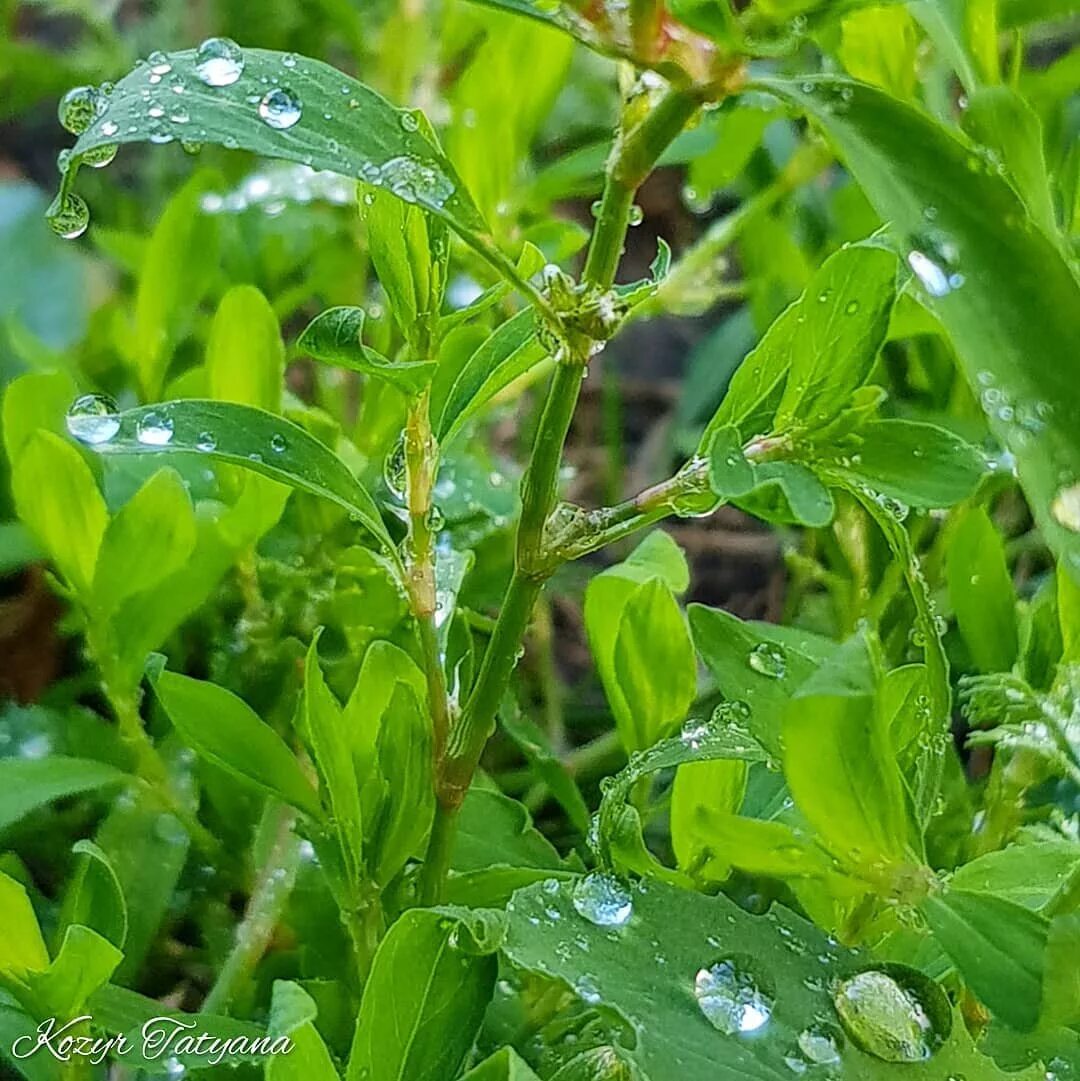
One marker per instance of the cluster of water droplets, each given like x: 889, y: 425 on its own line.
x: 278, y: 185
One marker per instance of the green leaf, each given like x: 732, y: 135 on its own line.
x: 505, y: 1065
x: 460, y: 392
x: 94, y: 898
x: 327, y: 738
x: 730, y: 474
x: 965, y: 33
x: 292, y: 1014
x: 818, y: 352
x: 788, y: 492
x: 227, y: 732
x: 22, y: 948
x: 703, y: 791
x: 839, y: 764
x: 998, y: 118
x: 253, y: 438
x: 1061, y: 973
x: 32, y: 401
x: 1025, y: 874
x: 152, y: 537
x: 57, y: 498
x: 343, y: 126
x: 733, y: 650
x: 422, y: 1005
x: 647, y: 970
x: 245, y: 356
x: 29, y: 783
x: 879, y: 45
x: 981, y: 592
x: 404, y: 751
x: 920, y: 464
x: 84, y: 962
x: 1003, y: 292
x: 998, y: 948
x: 334, y: 337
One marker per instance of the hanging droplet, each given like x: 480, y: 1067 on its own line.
x: 635, y: 215
x: 93, y: 419
x: 219, y: 62
x: 154, y: 429
x: 70, y: 219
x: 731, y: 999
x: 280, y: 108
x: 595, y: 207
x: 100, y: 156
x: 394, y: 470
x: 602, y: 899
x: 768, y: 660
x: 80, y: 107
x: 894, y: 1013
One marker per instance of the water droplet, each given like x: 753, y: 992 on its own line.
x: 289, y: 60
x: 100, y: 156
x: 1066, y: 507
x: 277, y: 443
x: 80, y: 107
x: 894, y: 1013
x: 409, y: 122
x: 394, y: 470
x: 602, y: 899
x: 821, y: 1045
x: 635, y: 216
x: 280, y: 108
x: 93, y: 419
x: 71, y: 218
x: 159, y: 63
x: 731, y: 999
x: 415, y: 181
x: 219, y: 62
x: 154, y: 429
x: 206, y: 441
x: 767, y: 660
x: 852, y: 308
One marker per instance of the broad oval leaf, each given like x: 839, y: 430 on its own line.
x: 999, y: 285
x: 253, y: 438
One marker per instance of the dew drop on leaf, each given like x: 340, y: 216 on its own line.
x: 409, y: 122
x: 206, y: 441
x: 394, y: 470
x: 730, y: 997
x: 602, y: 899
x: 80, y: 107
x: 159, y: 63
x: 219, y: 62
x: 93, y: 419
x: 893, y: 1013
x: 280, y: 108
x: 100, y: 156
x: 821, y: 1045
x: 278, y: 443
x: 767, y: 660
x: 154, y: 429
x: 71, y: 218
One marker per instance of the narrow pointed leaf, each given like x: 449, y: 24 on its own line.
x: 243, y: 435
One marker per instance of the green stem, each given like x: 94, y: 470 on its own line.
x: 437, y: 861
x: 264, y: 908
x: 633, y: 158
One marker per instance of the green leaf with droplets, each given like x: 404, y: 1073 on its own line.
x: 257, y: 440
x: 999, y: 286
x: 646, y: 972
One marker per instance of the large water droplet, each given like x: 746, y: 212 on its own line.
x: 1066, y: 507
x: 894, y: 1013
x: 219, y: 62
x: 70, y: 219
x: 394, y: 470
x: 730, y: 997
x: 100, y: 156
x: 415, y: 181
x: 93, y: 419
x: 280, y: 108
x: 154, y: 429
x: 80, y: 107
x: 602, y: 899
x: 768, y: 660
